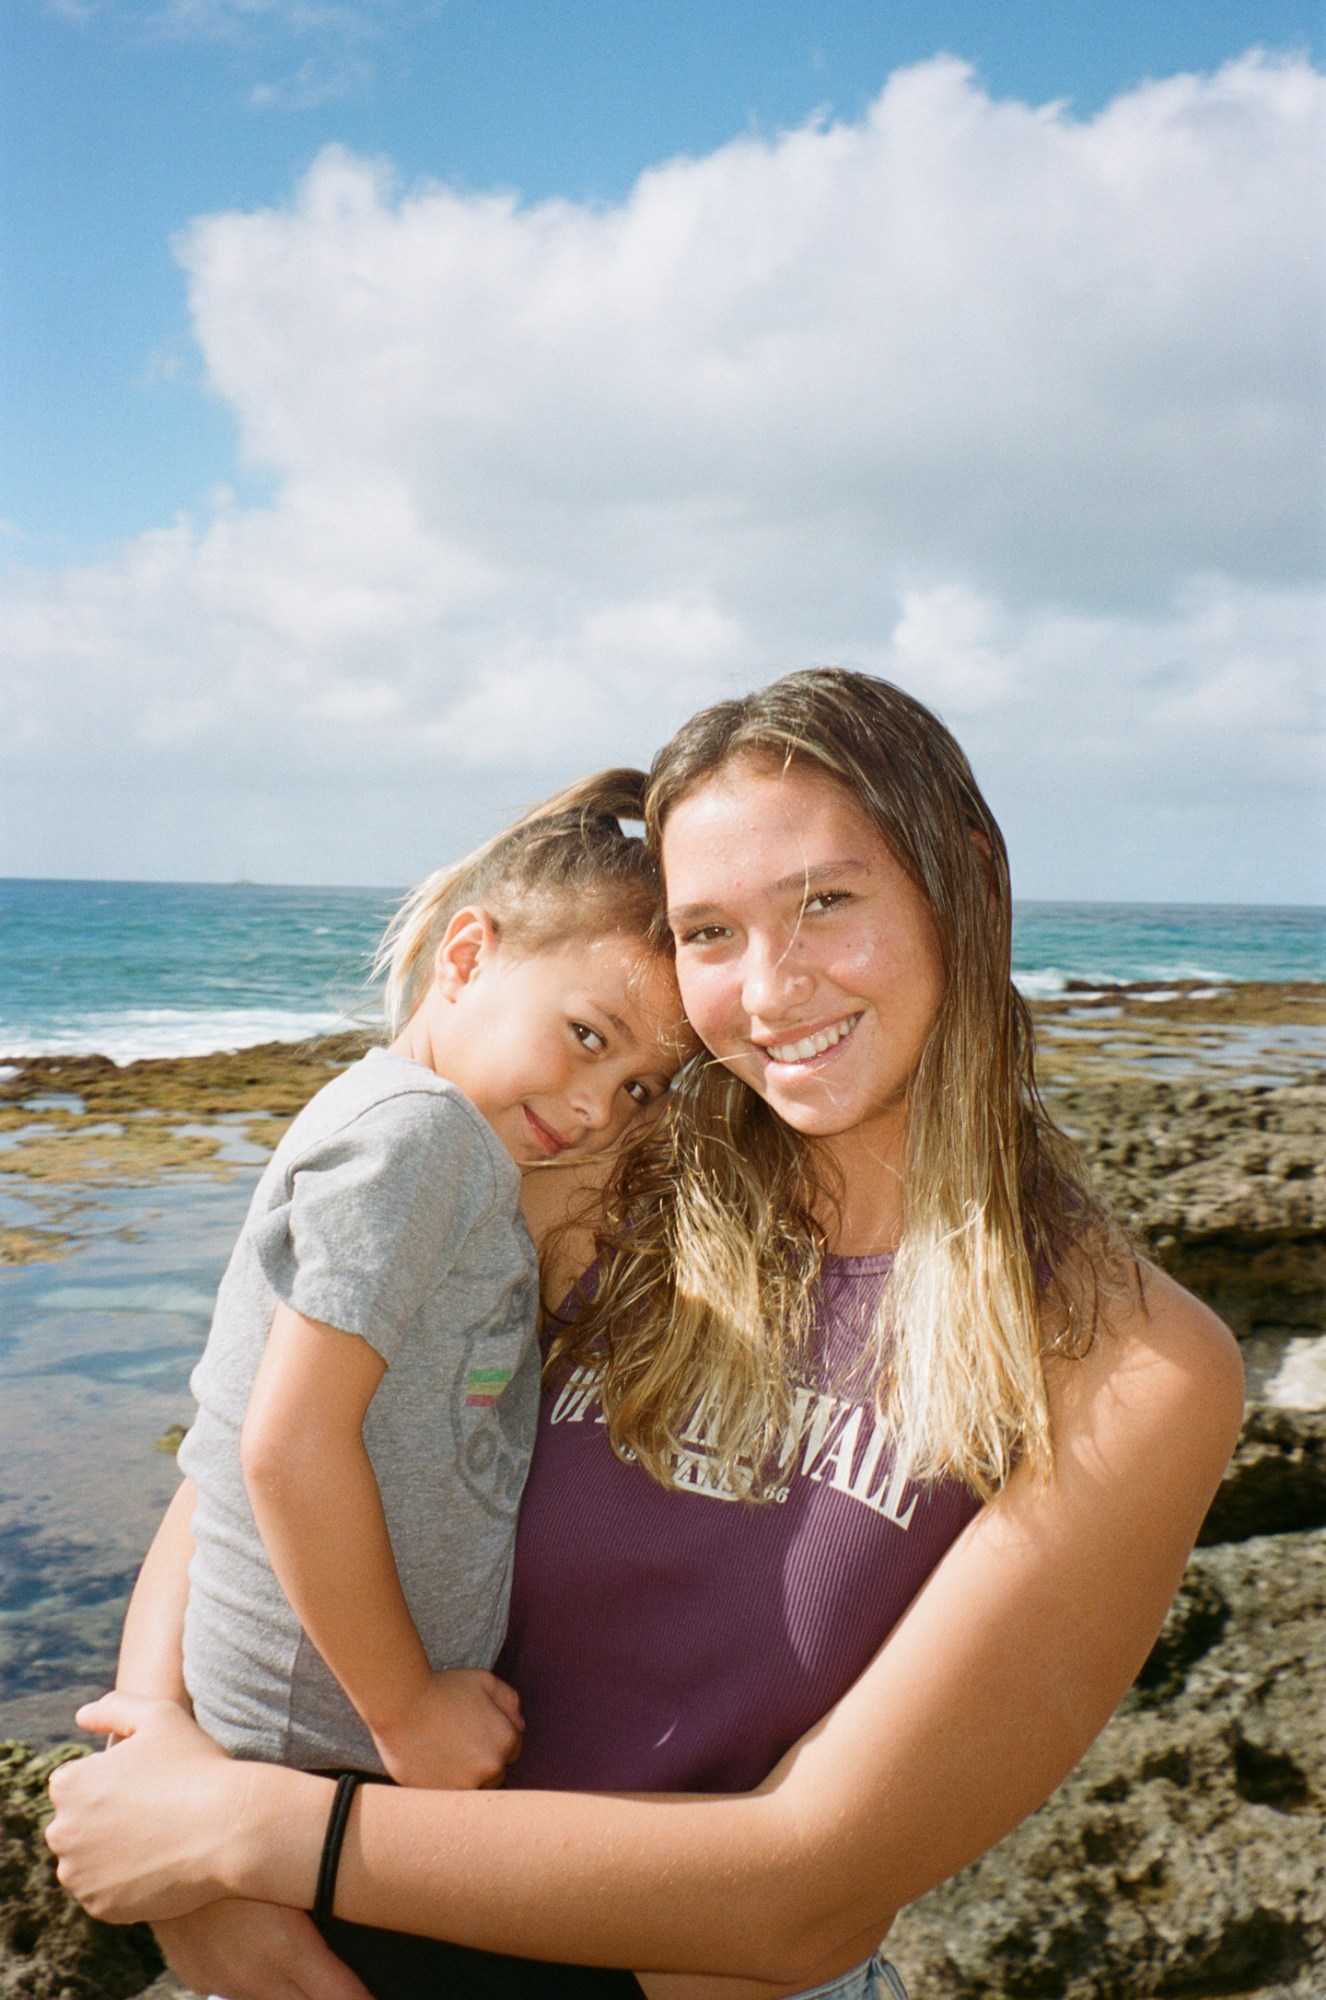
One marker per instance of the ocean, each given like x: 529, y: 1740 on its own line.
x: 132, y: 969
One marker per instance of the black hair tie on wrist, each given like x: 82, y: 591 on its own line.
x: 337, y: 1820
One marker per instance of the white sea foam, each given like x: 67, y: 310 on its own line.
x: 131, y: 1034
x: 1047, y: 982
x: 1040, y: 985
x: 1187, y: 972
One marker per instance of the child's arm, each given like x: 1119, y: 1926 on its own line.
x: 316, y: 1502
x: 152, y: 1642
x: 253, y: 1949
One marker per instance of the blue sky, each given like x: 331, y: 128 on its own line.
x: 127, y: 403
x: 122, y: 120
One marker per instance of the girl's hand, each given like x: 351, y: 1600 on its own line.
x: 255, y: 1951
x: 459, y: 1733
x: 138, y: 1829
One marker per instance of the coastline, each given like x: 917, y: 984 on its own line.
x: 1177, y: 1859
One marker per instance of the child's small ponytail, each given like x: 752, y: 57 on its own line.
x: 566, y: 868
x: 618, y: 794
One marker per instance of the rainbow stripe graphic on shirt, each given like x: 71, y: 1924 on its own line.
x: 484, y: 1387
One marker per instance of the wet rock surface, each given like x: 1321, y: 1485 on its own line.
x: 1186, y: 1855
x: 74, y: 1127
x: 1276, y: 1481
x: 48, y: 1949
x: 1222, y: 1178
x: 273, y: 1078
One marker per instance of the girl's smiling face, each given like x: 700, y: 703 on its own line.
x: 809, y: 961
x: 560, y: 1047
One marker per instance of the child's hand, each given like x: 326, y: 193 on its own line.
x: 458, y: 1734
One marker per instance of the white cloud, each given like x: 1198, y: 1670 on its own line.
x: 232, y: 20
x: 947, y: 641
x: 1021, y: 409
x: 320, y: 50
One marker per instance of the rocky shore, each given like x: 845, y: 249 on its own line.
x: 1186, y: 1856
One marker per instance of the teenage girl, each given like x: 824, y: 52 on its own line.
x: 368, y: 1394
x: 854, y: 1273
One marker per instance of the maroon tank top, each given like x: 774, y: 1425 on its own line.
x: 667, y: 1640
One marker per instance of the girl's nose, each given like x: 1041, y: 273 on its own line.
x: 595, y: 1103
x: 773, y: 978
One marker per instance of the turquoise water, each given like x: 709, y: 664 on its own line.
x: 1103, y: 943
x: 95, y: 1355
x: 132, y: 969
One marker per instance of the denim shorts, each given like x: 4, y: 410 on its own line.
x: 875, y: 1980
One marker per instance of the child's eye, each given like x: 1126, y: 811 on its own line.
x: 589, y: 1038
x: 637, y: 1092
x: 704, y: 934
x: 826, y: 899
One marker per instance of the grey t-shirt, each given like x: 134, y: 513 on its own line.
x: 390, y: 1210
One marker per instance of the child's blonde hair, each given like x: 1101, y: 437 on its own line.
x: 567, y: 869
x: 714, y: 1236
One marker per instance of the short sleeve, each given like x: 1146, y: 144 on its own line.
x: 375, y: 1215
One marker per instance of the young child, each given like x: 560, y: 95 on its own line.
x: 367, y: 1397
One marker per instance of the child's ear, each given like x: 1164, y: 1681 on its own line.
x: 469, y: 939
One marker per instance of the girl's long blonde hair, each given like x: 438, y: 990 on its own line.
x: 566, y: 869
x: 714, y: 1235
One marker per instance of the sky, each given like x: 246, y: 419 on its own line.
x: 406, y: 405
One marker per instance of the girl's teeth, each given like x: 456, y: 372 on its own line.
x: 814, y: 1045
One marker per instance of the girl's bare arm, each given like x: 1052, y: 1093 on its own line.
x: 990, y: 1689
x: 152, y: 1642
x: 253, y: 1950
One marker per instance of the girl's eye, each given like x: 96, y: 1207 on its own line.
x: 704, y: 934
x: 588, y: 1038
x: 637, y: 1092
x: 827, y: 899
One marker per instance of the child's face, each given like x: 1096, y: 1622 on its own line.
x: 560, y: 1049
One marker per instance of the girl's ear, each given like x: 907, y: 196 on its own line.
x: 469, y: 939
